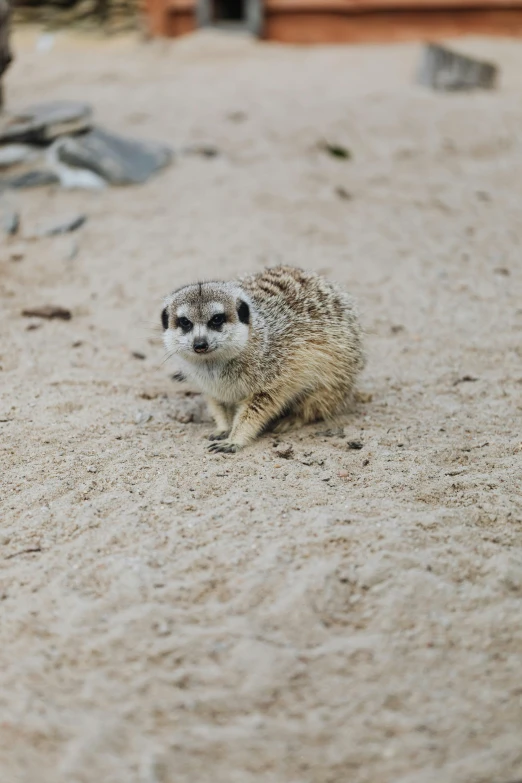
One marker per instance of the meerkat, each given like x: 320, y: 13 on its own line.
x: 279, y: 349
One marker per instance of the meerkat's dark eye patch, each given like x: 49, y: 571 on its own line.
x: 184, y: 324
x: 165, y: 318
x: 243, y: 312
x: 217, y: 321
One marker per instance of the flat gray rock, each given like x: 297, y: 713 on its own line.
x: 14, y: 154
x: 444, y: 70
x: 30, y: 179
x: 44, y: 122
x: 119, y: 160
x: 63, y: 227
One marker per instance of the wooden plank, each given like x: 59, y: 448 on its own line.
x: 389, y: 26
x: 362, y: 6
x: 181, y: 6
x: 181, y: 23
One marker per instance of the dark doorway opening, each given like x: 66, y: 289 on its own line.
x: 234, y: 15
x: 229, y: 11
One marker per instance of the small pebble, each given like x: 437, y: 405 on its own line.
x: 48, y: 311
x: 354, y: 444
x: 285, y: 452
x: 237, y: 116
x: 465, y: 379
x: 142, y: 417
x: 16, y: 254
x: 343, y: 194
x: 332, y: 433
x: 64, y: 227
x: 343, y: 474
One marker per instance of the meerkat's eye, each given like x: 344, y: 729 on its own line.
x: 184, y: 324
x: 165, y: 318
x: 243, y: 312
x: 217, y: 320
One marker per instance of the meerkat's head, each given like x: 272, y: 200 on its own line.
x: 206, y: 322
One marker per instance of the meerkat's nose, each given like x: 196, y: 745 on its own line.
x: 200, y: 345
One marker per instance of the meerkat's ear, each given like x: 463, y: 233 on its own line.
x: 165, y: 318
x: 243, y: 312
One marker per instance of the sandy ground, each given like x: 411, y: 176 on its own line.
x: 342, y: 616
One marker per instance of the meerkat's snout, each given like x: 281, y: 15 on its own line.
x: 200, y: 345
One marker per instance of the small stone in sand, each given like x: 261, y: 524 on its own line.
x: 343, y: 194
x: 284, y: 451
x: 16, y: 253
x: 335, y: 150
x: 63, y: 227
x: 332, y: 433
x: 48, y: 311
x: 465, y: 379
x: 142, y: 417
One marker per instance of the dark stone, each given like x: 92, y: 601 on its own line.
x: 44, y: 122
x: 48, y: 311
x: 65, y: 227
x: 119, y: 160
x: 204, y: 150
x: 335, y: 150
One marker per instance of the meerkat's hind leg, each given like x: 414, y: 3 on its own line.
x: 289, y: 423
x: 223, y: 416
x: 321, y: 405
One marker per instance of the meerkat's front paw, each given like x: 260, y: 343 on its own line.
x: 224, y: 447
x: 219, y: 435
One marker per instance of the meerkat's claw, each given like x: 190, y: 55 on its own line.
x: 224, y: 447
x: 219, y: 435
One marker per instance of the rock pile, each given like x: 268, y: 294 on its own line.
x: 58, y: 143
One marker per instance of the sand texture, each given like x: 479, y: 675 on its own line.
x: 336, y: 616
